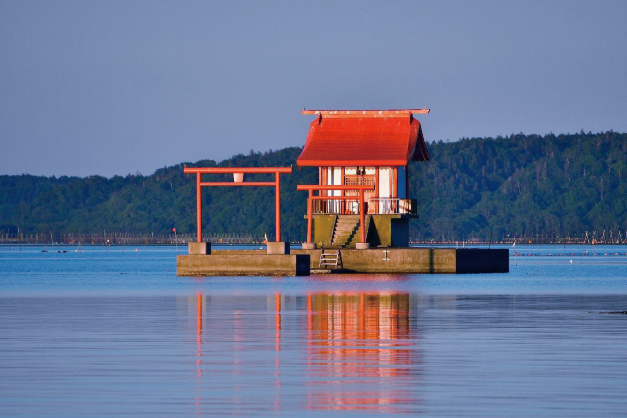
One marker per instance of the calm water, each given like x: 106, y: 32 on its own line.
x: 113, y: 331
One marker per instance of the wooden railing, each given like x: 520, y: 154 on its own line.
x: 359, y: 180
x: 336, y: 207
x: 391, y: 205
x: 374, y: 206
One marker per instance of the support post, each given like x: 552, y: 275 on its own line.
x: 198, y: 210
x: 342, y: 192
x: 376, y: 188
x: 362, y: 215
x: 309, y: 215
x: 278, y: 207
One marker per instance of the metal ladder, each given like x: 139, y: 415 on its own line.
x: 330, y: 258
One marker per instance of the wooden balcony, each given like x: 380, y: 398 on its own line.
x: 375, y: 206
x: 391, y: 205
x: 350, y: 180
x: 336, y: 207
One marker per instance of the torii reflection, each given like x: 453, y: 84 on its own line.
x: 322, y: 351
x: 199, y: 316
x: 359, y: 347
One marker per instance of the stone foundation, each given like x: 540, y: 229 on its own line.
x: 417, y: 260
x: 235, y: 263
x: 367, y: 261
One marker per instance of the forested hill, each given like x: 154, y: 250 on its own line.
x: 522, y: 185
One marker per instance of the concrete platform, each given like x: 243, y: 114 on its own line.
x: 417, y: 260
x: 243, y: 263
x: 371, y: 261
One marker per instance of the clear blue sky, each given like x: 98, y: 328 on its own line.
x: 116, y: 87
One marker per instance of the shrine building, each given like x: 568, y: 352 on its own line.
x: 362, y: 148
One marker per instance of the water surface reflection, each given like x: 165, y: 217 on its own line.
x: 358, y: 351
x: 361, y: 352
x: 319, y: 353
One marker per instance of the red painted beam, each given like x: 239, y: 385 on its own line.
x: 335, y: 197
x: 362, y: 113
x: 305, y: 187
x: 243, y: 184
x: 231, y: 170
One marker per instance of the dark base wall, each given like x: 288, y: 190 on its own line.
x: 482, y: 260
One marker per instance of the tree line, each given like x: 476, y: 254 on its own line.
x: 475, y: 188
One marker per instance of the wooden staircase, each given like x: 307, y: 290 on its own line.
x: 347, y: 231
x: 345, y: 227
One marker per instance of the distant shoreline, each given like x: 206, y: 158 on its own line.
x: 255, y: 244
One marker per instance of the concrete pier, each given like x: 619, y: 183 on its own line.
x: 368, y: 261
x: 238, y: 263
x: 417, y: 260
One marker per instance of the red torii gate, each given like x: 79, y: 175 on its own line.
x: 237, y: 182
x: 312, y: 187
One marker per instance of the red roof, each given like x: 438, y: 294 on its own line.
x: 363, y: 138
